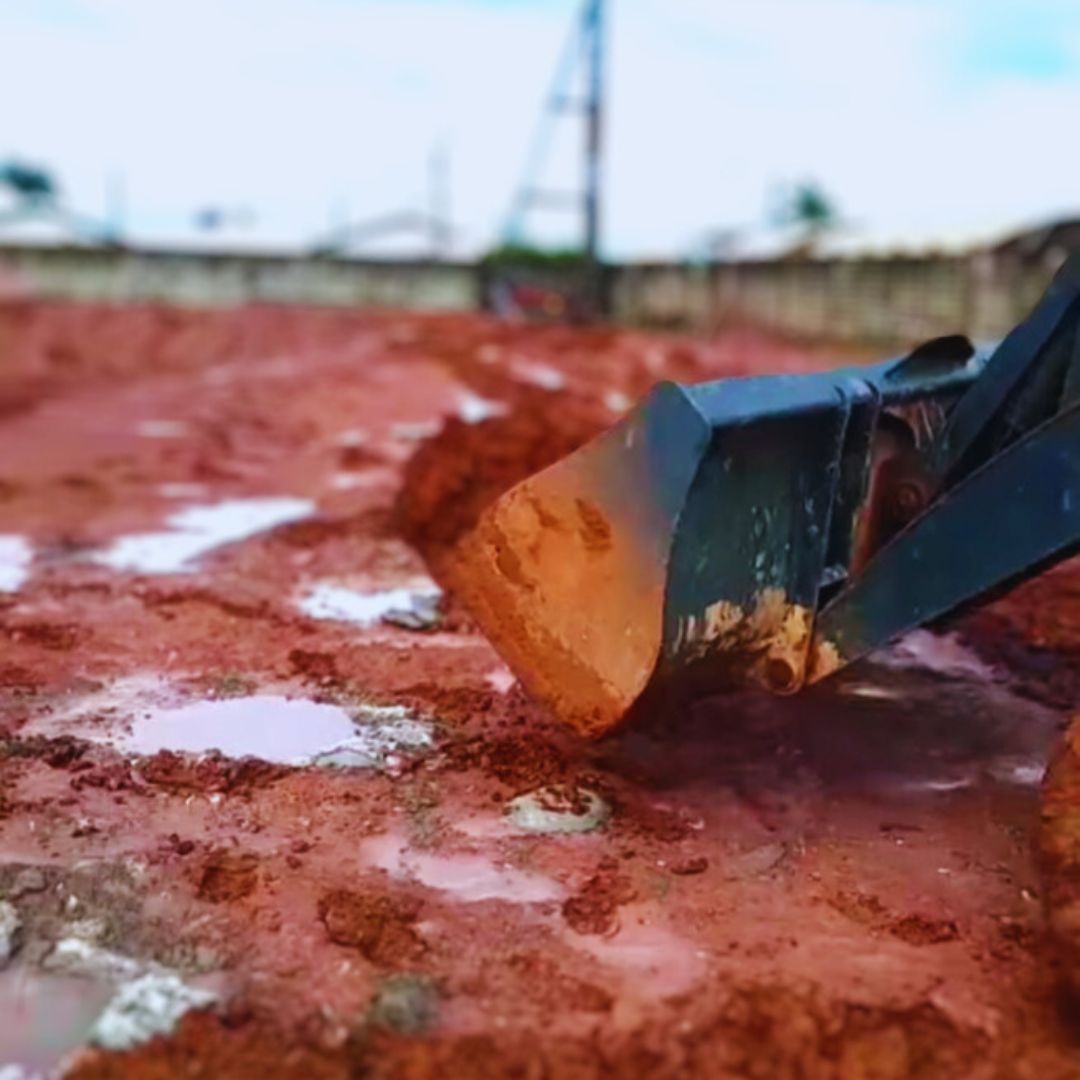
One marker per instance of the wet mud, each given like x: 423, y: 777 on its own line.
x: 245, y: 835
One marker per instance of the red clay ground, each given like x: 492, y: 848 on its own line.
x: 842, y: 886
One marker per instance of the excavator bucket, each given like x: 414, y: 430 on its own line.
x: 695, y: 544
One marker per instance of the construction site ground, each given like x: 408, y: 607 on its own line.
x: 268, y: 810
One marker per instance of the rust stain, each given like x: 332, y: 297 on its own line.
x: 770, y: 642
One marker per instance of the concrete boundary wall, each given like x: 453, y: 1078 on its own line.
x: 118, y: 275
x: 881, y: 300
x: 857, y: 300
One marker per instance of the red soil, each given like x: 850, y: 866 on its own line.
x: 837, y: 886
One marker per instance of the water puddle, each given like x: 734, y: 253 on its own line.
x: 45, y: 1018
x: 16, y: 555
x: 130, y: 718
x: 198, y: 530
x: 86, y: 995
x: 285, y: 731
x: 470, y: 878
x: 275, y: 729
x: 415, y: 608
x: 659, y: 962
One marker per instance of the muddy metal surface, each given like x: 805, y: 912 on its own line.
x: 271, y: 807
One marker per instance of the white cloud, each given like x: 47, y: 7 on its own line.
x: 293, y: 106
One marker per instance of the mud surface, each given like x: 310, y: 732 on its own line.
x: 845, y: 885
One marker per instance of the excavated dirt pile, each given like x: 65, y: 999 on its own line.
x: 271, y: 807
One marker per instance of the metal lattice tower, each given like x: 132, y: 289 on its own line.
x: 584, y: 56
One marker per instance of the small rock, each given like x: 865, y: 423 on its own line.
x: 148, y: 1006
x: 10, y: 933
x: 756, y: 861
x: 407, y: 1004
x: 685, y: 867
x: 383, y: 734
x: 422, y: 612
x: 558, y: 809
x: 28, y: 880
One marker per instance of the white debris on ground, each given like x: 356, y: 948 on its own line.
x: 415, y: 431
x: 76, y: 956
x: 16, y: 555
x: 942, y: 653
x: 10, y: 933
x: 162, y: 429
x: 147, y: 1006
x: 181, y: 491
x: 198, y: 530
x: 501, y: 680
x: 473, y: 409
x: 1023, y: 772
x: 384, y: 735
x: 617, y: 401
x: 470, y: 878
x: 352, y: 437
x: 558, y: 809
x: 415, y: 608
x: 547, y: 378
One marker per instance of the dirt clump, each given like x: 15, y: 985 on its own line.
x: 594, y: 908
x: 226, y: 876
x: 381, y: 927
x: 523, y: 762
x: 766, y: 1031
x: 320, y: 667
x: 457, y: 473
x: 1059, y: 854
x: 205, y: 1044
x: 213, y: 772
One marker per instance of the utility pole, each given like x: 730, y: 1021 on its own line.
x: 116, y: 206
x: 593, y: 35
x: 439, y: 200
x: 584, y: 58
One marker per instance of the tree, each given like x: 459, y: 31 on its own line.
x: 810, y: 209
x: 29, y: 183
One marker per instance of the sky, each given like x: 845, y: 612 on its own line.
x: 923, y: 119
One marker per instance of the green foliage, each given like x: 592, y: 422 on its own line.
x: 28, y: 182
x: 809, y: 207
x: 534, y: 258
